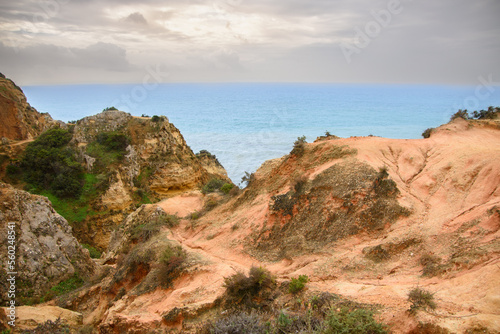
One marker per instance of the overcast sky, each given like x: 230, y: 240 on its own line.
x: 365, y: 41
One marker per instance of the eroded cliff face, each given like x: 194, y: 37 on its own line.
x: 157, y: 164
x: 20, y: 121
x: 45, y: 249
x: 366, y: 218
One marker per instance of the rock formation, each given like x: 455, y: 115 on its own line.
x: 46, y: 252
x: 20, y: 121
x: 366, y: 218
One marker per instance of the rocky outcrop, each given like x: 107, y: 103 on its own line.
x: 46, y: 252
x: 157, y: 164
x: 20, y: 121
x: 29, y: 318
x: 212, y: 165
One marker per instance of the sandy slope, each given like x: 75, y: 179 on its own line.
x: 449, y: 181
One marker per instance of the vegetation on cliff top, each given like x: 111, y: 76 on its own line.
x: 49, y: 164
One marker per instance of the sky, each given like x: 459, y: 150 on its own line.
x: 45, y: 42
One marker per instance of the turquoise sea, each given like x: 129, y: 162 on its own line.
x: 246, y: 124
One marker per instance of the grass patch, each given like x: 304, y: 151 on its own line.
x: 94, y: 253
x: 358, y: 321
x: 68, y: 285
x: 144, y: 232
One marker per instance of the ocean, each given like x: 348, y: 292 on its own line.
x: 247, y: 124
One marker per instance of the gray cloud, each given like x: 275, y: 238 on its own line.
x: 447, y: 41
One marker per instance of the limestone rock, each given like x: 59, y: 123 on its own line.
x: 29, y: 317
x: 20, y: 121
x: 46, y: 251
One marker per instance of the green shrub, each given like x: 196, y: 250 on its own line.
x: 427, y: 133
x: 213, y: 185
x: 298, y: 284
x: 226, y: 188
x: 68, y: 285
x: 359, y: 321
x: 155, y: 119
x: 420, y: 299
x: 491, y: 113
x: 49, y: 164
x: 113, y: 141
x: 94, y: 253
x: 460, y: 114
x: 109, y: 108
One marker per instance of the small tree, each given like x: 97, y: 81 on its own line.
x: 299, y: 146
x: 460, y: 114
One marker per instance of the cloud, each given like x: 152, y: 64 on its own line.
x: 103, y: 56
x: 237, y: 40
x: 136, y: 18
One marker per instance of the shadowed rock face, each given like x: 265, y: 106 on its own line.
x: 46, y: 251
x: 20, y: 121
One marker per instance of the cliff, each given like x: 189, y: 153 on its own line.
x: 334, y: 231
x: 20, y: 121
x: 153, y: 163
x: 46, y: 252
x: 366, y: 219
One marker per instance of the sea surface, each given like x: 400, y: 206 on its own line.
x: 247, y: 124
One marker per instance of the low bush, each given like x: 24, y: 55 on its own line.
x: 242, y: 289
x: 226, y: 188
x: 172, y: 262
x: 427, y: 133
x: 431, y: 264
x: 109, y: 108
x: 463, y: 114
x: 299, y: 146
x: 359, y: 321
x: 491, y: 113
x: 213, y: 185
x: 113, y: 141
x: 48, y: 163
x: 144, y: 232
x: 421, y: 299
x: 298, y: 284
x: 239, y: 323
x: 156, y: 119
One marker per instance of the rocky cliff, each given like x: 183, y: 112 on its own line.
x: 366, y: 219
x: 46, y: 252
x: 155, y: 163
x: 20, y: 121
